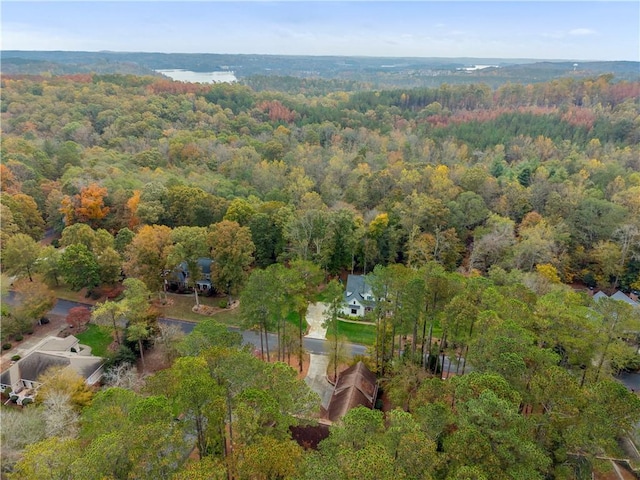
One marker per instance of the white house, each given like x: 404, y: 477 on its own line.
x: 22, y: 376
x: 358, y: 298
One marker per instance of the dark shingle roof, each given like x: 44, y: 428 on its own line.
x: 356, y: 386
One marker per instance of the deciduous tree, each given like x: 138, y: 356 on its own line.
x: 190, y: 387
x: 59, y: 380
x: 146, y: 255
x: 111, y: 315
x: 20, y: 428
x: 26, y: 214
x: 48, y: 265
x: 207, y: 334
x: 232, y: 252
x: 52, y: 458
x: 86, y: 207
x: 78, y: 317
x: 616, y: 319
x: 34, y: 299
x: 79, y: 268
x: 20, y: 255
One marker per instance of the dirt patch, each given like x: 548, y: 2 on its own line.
x: 154, y: 361
x: 309, y: 436
x: 212, y: 310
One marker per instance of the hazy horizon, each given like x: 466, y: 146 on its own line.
x: 515, y: 59
x: 570, y: 31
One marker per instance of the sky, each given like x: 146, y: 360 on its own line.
x: 572, y: 30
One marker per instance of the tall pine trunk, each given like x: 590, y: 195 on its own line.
x: 300, y: 347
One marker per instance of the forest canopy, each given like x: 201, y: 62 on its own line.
x: 466, y: 207
x: 552, y: 168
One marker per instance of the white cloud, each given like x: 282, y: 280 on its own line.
x: 582, y: 31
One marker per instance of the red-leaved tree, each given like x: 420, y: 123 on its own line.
x: 78, y: 316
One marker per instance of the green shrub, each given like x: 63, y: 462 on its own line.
x: 222, y: 304
x: 6, y: 346
x: 15, y: 358
x: 26, y: 402
x: 123, y: 355
x: 18, y: 337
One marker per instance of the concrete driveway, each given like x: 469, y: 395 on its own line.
x: 315, y: 318
x: 317, y: 377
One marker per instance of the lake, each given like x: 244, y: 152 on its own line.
x: 199, y: 77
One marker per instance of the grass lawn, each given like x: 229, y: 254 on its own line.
x: 180, y: 307
x: 366, y: 334
x: 294, y: 319
x: 66, y: 294
x: 229, y: 317
x: 96, y: 338
x: 321, y: 296
x: 358, y: 333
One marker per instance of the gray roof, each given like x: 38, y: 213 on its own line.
x: 617, y: 296
x: 624, y: 298
x: 34, y: 365
x: 52, y: 352
x: 181, y: 272
x: 600, y: 295
x: 86, y: 366
x: 205, y: 265
x: 357, y: 287
x: 57, y: 344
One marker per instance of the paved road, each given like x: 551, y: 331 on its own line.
x: 312, y: 345
x: 62, y: 307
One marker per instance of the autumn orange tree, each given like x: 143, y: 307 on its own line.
x: 86, y: 207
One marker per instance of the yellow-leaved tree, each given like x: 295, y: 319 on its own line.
x: 60, y: 379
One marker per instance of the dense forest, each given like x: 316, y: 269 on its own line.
x: 353, y: 72
x: 480, y: 216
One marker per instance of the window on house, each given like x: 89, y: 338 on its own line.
x: 354, y: 311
